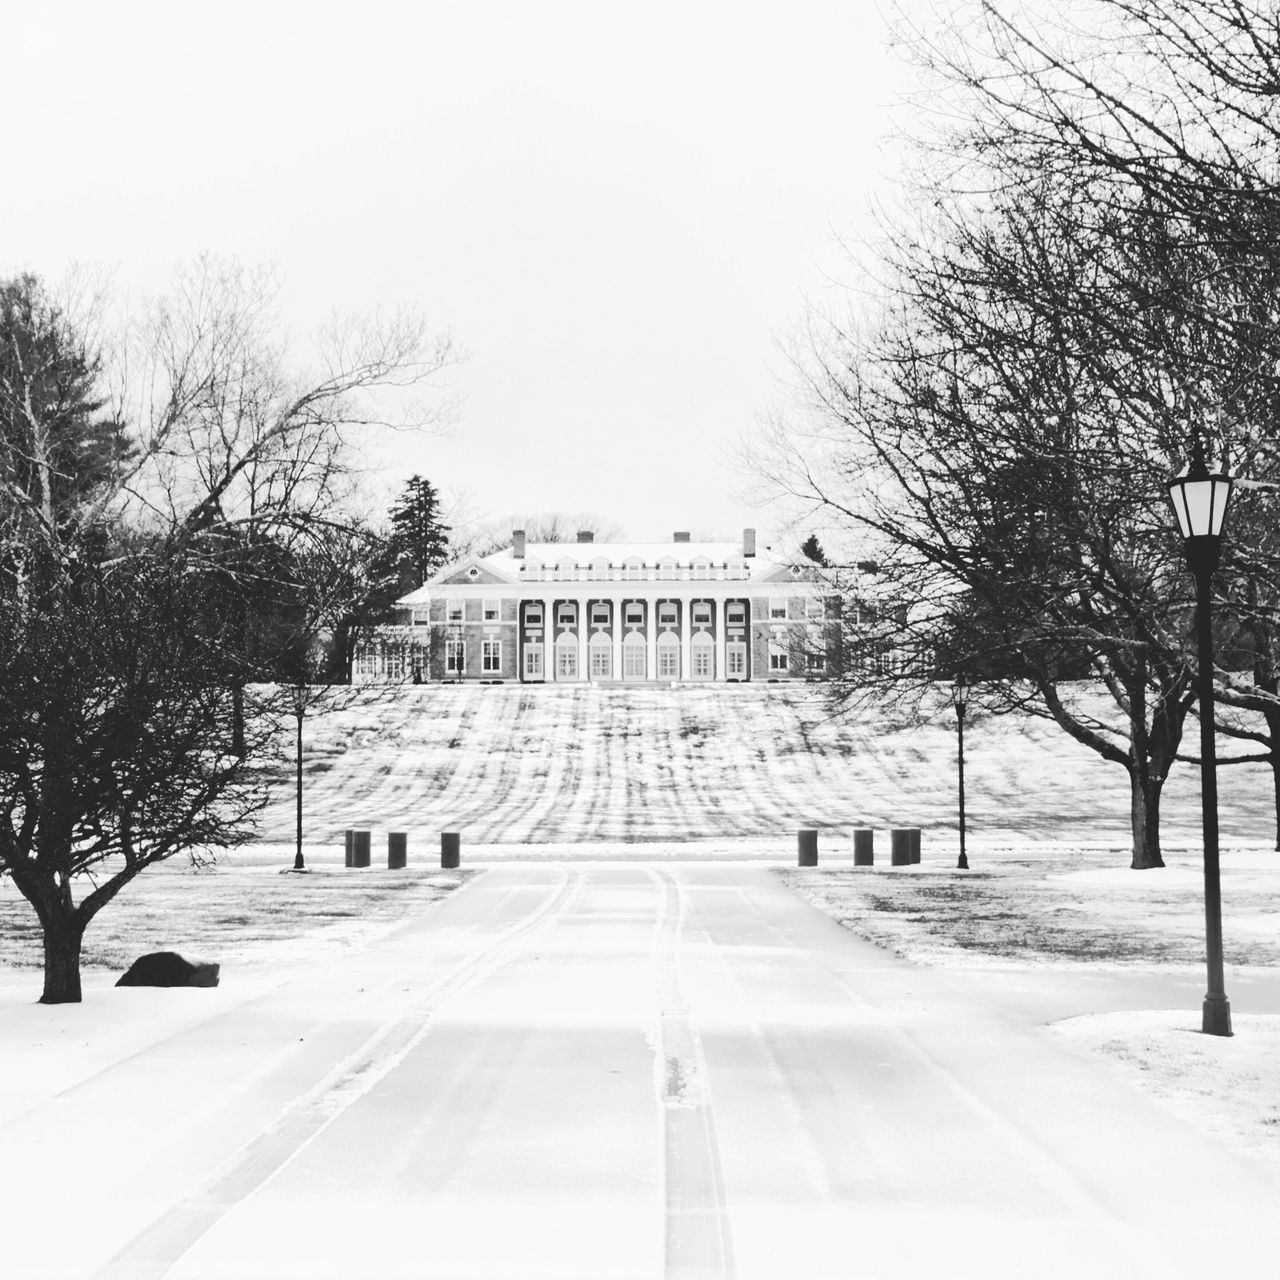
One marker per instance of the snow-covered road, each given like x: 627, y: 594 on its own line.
x: 617, y: 1070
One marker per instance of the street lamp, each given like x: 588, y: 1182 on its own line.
x: 1199, y: 501
x: 959, y: 695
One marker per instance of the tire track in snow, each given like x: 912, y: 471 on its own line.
x: 151, y: 1253
x: 698, y: 1241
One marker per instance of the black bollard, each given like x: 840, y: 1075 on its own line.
x: 915, y: 843
x: 360, y: 853
x: 863, y: 847
x: 450, y: 849
x: 808, y: 848
x: 900, y: 846
x: 349, y: 846
x: 397, y: 850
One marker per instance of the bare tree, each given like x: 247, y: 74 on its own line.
x: 122, y: 735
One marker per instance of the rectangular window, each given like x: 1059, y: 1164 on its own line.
x: 453, y: 651
x: 491, y: 611
x: 702, y: 613
x: 491, y: 655
x: 601, y: 662
x: 777, y: 658
x: 668, y: 661
x: 666, y: 615
x: 533, y: 662
x: 566, y: 615
x: 736, y: 659
x: 599, y: 615
x: 533, y: 615
x: 635, y: 614
x: 817, y: 660
x: 395, y: 664
x: 633, y: 661
x: 815, y: 608
x: 366, y: 663
x: 736, y: 613
x: 453, y: 610
x: 702, y: 661
x: 778, y: 610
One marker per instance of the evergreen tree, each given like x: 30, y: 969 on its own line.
x: 418, y: 543
x: 811, y: 549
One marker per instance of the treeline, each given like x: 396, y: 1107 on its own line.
x: 1082, y: 277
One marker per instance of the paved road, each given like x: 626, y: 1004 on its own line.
x: 588, y: 1070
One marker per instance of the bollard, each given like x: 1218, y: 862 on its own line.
x: 360, y: 849
x: 863, y: 847
x: 808, y: 850
x: 915, y: 843
x: 900, y: 846
x: 450, y: 849
x: 348, y: 834
x: 397, y: 850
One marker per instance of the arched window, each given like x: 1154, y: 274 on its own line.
x: 668, y: 657
x: 702, y: 657
x: 634, y: 658
x: 600, y: 653
x: 566, y: 656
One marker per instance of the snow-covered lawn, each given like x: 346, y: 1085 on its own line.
x: 512, y: 765
x: 1058, y: 910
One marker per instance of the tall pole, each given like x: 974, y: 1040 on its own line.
x: 298, y: 709
x: 963, y: 864
x: 1216, y: 1018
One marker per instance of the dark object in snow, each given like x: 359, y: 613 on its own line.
x: 397, y: 850
x: 864, y: 847
x: 450, y: 849
x: 904, y: 846
x: 808, y: 848
x: 168, y: 969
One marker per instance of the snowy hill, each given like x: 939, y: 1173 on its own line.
x: 507, y: 765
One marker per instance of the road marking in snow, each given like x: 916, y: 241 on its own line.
x: 698, y: 1241
x: 151, y: 1253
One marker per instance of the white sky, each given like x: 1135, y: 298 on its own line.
x: 617, y: 209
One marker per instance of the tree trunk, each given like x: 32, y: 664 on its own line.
x: 238, y: 747
x: 1275, y: 781
x: 1144, y: 794
x: 62, y: 939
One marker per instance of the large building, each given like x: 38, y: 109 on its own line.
x: 630, y: 612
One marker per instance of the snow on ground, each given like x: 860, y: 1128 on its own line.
x: 1225, y: 1086
x: 518, y: 765
x: 1052, y: 911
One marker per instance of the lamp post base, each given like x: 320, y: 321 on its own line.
x: 963, y: 864
x: 1216, y: 1019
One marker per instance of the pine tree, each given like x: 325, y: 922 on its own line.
x: 418, y: 543
x: 811, y: 549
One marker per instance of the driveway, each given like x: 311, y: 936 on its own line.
x: 628, y: 1070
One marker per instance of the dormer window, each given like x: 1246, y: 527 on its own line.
x: 566, y: 569
x: 599, y: 569
x: 736, y: 569
x: 667, y: 569
x: 701, y: 569
x: 634, y: 569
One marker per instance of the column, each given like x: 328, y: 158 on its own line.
x: 548, y: 640
x: 651, y: 634
x: 616, y: 607
x: 686, y: 638
x: 584, y: 634
x: 718, y: 614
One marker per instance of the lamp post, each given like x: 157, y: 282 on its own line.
x: 959, y: 695
x: 299, y: 711
x: 1199, y: 498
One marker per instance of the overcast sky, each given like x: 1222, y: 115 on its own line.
x: 618, y: 209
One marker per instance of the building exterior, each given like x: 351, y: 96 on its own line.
x: 635, y: 613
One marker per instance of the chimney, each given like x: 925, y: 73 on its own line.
x: 682, y: 537
x: 748, y: 542
x: 586, y: 535
x: 517, y: 543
